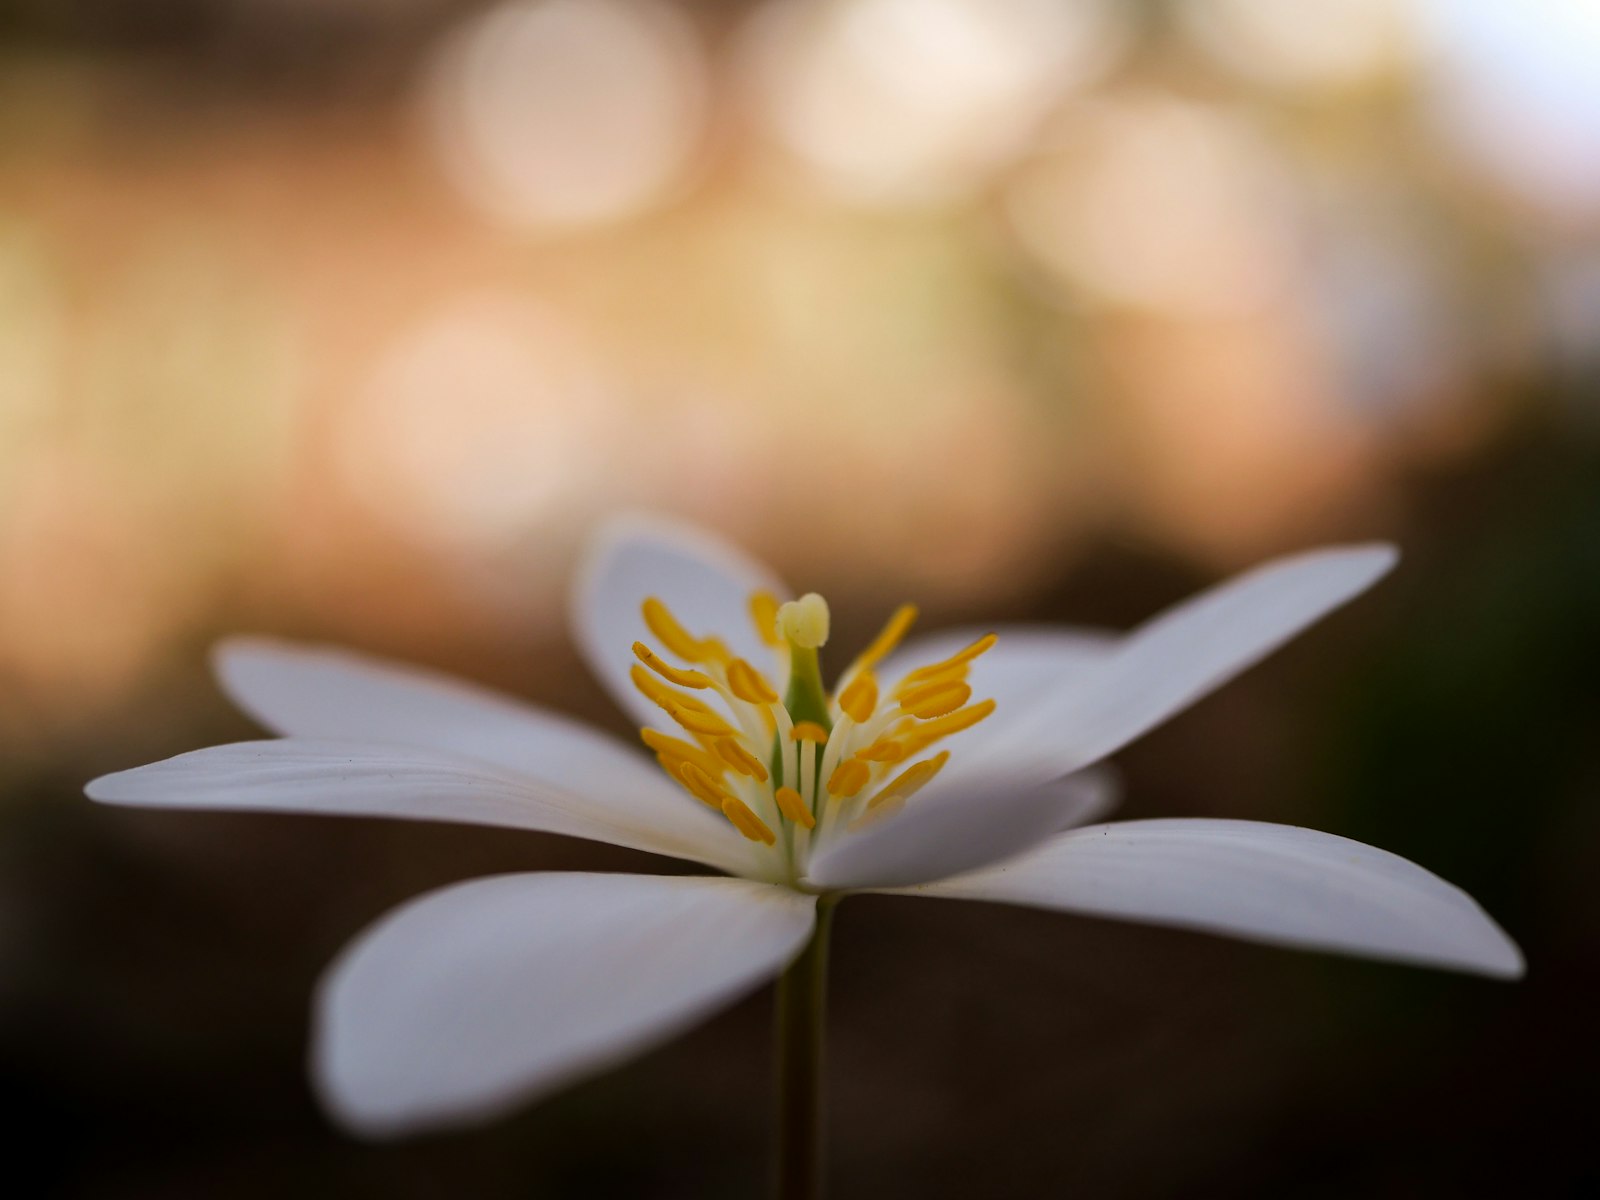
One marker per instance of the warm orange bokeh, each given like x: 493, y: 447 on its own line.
x: 904, y: 295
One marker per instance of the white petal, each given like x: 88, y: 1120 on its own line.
x: 1269, y: 883
x: 477, y: 998
x: 337, y: 695
x: 704, y: 581
x: 301, y: 775
x: 938, y: 835
x: 1173, y: 660
x: 1096, y: 791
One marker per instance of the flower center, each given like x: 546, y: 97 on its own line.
x: 789, y: 772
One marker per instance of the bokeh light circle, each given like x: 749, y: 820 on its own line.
x: 568, y: 112
x: 1157, y: 203
x: 1335, y: 43
x: 910, y: 101
x: 477, y: 422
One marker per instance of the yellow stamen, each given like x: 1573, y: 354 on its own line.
x: 764, y: 614
x: 794, y: 808
x: 935, y: 700
x: 860, y: 698
x: 883, y: 645
x: 661, y: 694
x: 688, y: 679
x: 922, y: 674
x: 749, y: 684
x: 705, y: 788
x: 671, y: 634
x: 910, y: 781
x: 741, y: 759
x: 674, y: 769
x: 805, y: 622
x: 849, y: 777
x: 924, y: 735
x: 715, y: 760
x: 746, y: 822
x: 695, y: 721
x: 682, y: 751
x: 884, y: 750
x: 955, y: 674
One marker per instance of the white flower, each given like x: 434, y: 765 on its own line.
x: 479, y: 996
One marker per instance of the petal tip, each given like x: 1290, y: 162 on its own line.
x: 1502, y: 958
x: 367, y: 1109
x: 616, y: 532
x: 1361, y: 564
x: 103, y: 789
x: 1379, y: 557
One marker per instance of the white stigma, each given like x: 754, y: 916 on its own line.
x: 805, y: 621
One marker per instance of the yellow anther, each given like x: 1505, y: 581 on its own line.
x: 674, y: 768
x: 661, y: 694
x: 671, y: 634
x: 688, y: 679
x: 720, y: 768
x: 960, y: 658
x: 681, y: 751
x: 910, y: 781
x: 747, y: 683
x: 793, y: 807
x: 764, y: 615
x: 849, y: 777
x: 929, y: 732
x: 741, y: 759
x: 805, y: 621
x: 705, y: 788
x: 936, y: 699
x: 860, y: 698
x: 884, y: 750
x: 945, y: 674
x: 702, y: 722
x: 883, y: 645
x: 746, y: 822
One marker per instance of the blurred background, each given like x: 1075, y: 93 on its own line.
x: 347, y: 319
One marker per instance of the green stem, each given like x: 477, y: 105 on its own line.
x: 802, y: 1000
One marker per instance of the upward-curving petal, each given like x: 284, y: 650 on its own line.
x: 1269, y: 883
x: 704, y: 581
x: 1166, y: 665
x: 479, y: 997
x: 302, y: 775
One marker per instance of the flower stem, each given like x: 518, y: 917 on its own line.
x: 802, y: 1000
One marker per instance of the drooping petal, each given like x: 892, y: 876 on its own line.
x: 1270, y: 883
x: 941, y: 834
x: 479, y: 997
x: 337, y: 695
x: 1172, y: 661
x: 302, y: 775
x: 705, y: 582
